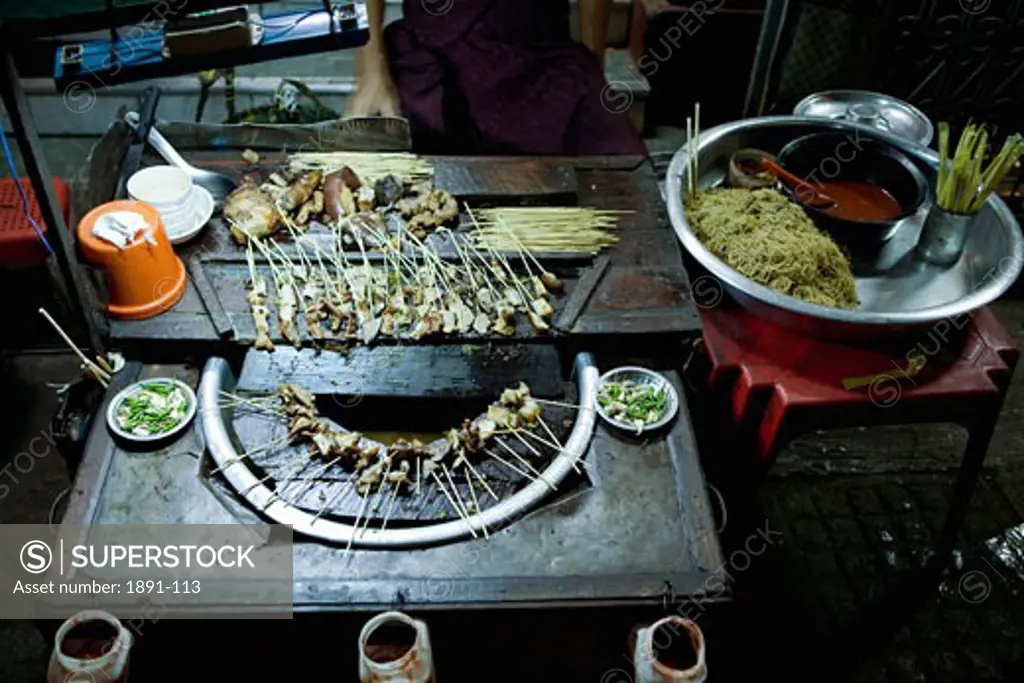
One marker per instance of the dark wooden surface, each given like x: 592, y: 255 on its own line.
x: 636, y: 530
x: 465, y: 371
x: 645, y: 289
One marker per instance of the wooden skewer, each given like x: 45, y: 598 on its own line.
x: 575, y: 462
x: 295, y: 472
x: 689, y: 155
x: 573, y: 406
x: 451, y: 501
x: 376, y: 501
x: 330, y: 503
x: 509, y: 465
x: 105, y: 365
x: 696, y: 145
x: 102, y: 374
x: 97, y: 375
x: 550, y: 433
x: 355, y: 525
x: 258, y: 482
x: 248, y: 454
x: 472, y: 469
x: 476, y: 503
x: 529, y: 447
x: 284, y: 483
x: 455, y: 490
x: 310, y: 481
x: 533, y: 436
x: 242, y: 400
x: 394, y: 495
x: 525, y: 462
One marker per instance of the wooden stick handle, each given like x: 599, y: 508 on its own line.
x: 100, y: 371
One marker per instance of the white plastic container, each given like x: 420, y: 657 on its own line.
x: 90, y: 647
x: 170, y: 191
x: 395, y: 648
x: 670, y: 650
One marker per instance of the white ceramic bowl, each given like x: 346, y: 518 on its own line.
x: 115, y: 405
x: 202, y: 210
x: 640, y: 376
x: 165, y: 187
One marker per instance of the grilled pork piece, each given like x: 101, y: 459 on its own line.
x: 250, y: 212
x: 287, y: 309
x: 257, y: 299
x: 300, y: 191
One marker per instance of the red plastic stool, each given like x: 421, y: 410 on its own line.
x: 19, y: 243
x: 779, y: 384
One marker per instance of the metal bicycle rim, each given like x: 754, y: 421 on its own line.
x: 217, y: 377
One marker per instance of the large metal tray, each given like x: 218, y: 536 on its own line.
x: 899, y: 294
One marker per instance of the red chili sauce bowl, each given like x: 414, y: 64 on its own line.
x: 875, y: 186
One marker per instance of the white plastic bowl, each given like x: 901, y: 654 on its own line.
x: 115, y: 404
x: 640, y: 376
x: 165, y: 187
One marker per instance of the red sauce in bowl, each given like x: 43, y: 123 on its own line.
x: 860, y: 201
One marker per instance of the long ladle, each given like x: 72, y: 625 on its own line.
x: 817, y: 199
x: 218, y: 184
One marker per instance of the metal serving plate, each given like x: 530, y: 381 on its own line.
x: 899, y: 293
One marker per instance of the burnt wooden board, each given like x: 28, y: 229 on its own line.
x: 494, y: 180
x: 645, y: 289
x: 306, y: 483
x: 637, y: 298
x: 230, y: 278
x: 427, y: 371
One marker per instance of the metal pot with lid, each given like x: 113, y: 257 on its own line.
x: 886, y: 113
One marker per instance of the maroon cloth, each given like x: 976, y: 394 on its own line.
x: 503, y: 77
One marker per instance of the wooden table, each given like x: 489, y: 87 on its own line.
x: 643, y: 290
x: 638, y: 542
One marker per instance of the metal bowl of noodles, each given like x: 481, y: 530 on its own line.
x: 898, y: 293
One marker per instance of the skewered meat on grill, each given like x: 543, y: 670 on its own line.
x: 257, y: 300
x: 287, y: 309
x: 552, y: 283
x: 515, y: 398
x: 313, y: 295
x: 403, y: 450
x: 313, y: 206
x: 250, y: 212
x: 300, y: 191
x: 427, y: 209
x: 296, y: 399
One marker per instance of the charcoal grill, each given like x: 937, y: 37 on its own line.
x: 218, y: 427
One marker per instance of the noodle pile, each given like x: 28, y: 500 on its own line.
x: 770, y: 240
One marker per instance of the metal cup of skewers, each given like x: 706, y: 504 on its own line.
x: 962, y: 189
x: 944, y: 235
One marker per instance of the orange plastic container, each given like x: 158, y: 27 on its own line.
x: 143, y: 280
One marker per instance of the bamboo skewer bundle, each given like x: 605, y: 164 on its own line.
x: 546, y: 229
x: 369, y: 166
x: 963, y: 184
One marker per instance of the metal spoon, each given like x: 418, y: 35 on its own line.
x: 818, y: 200
x: 218, y: 184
